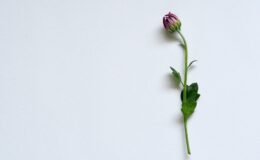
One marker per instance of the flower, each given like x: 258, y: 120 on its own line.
x: 171, y: 22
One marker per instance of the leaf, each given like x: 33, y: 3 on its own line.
x: 188, y: 108
x: 190, y: 104
x: 176, y: 76
x: 192, y: 92
x: 191, y: 63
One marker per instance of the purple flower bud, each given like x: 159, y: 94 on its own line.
x: 171, y: 22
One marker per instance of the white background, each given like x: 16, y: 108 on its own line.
x: 89, y: 80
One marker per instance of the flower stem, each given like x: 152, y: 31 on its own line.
x: 185, y: 66
x: 185, y: 86
x: 187, y: 136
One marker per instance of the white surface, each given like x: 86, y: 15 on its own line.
x: 89, y: 80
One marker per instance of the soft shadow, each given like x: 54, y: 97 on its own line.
x: 165, y: 36
x: 169, y: 37
x: 192, y: 68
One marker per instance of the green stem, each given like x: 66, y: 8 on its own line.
x: 185, y: 86
x: 187, y: 136
x: 185, y: 66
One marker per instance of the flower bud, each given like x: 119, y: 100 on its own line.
x: 171, y: 22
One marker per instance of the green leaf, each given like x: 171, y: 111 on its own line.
x: 188, y: 108
x: 176, y: 76
x: 191, y: 63
x: 192, y: 92
x: 190, y: 104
